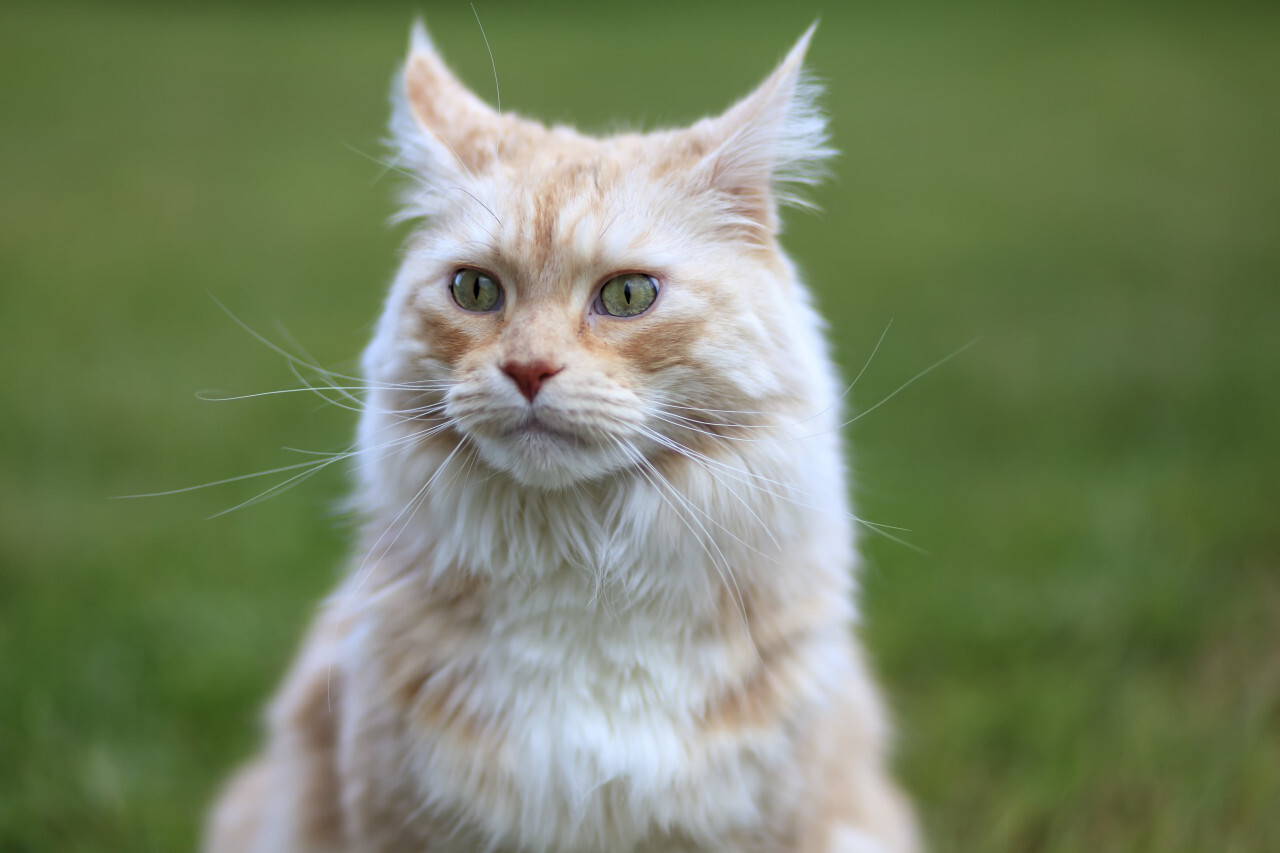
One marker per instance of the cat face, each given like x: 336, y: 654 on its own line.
x: 575, y: 306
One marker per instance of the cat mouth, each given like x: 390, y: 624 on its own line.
x: 536, y: 429
x: 548, y: 451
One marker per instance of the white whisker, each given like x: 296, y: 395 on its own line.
x: 360, y: 575
x: 834, y: 403
x: 319, y: 466
x: 706, y: 541
x: 387, y: 165
x: 910, y: 381
x: 224, y: 481
x: 497, y: 92
x: 738, y: 474
x: 685, y: 422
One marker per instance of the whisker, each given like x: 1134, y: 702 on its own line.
x: 359, y: 404
x: 664, y: 441
x: 685, y: 422
x: 306, y: 452
x: 458, y: 158
x: 496, y: 90
x: 294, y: 342
x: 910, y: 381
x: 224, y: 481
x: 676, y: 423
x: 738, y: 474
x: 479, y: 202
x: 414, y: 502
x: 875, y: 349
x: 646, y: 468
x: 600, y: 236
x: 684, y: 500
x: 214, y: 396
x: 328, y: 375
x: 387, y: 165
x: 318, y: 466
x: 278, y: 488
x: 278, y: 349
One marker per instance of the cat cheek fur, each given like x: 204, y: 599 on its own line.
x: 625, y: 627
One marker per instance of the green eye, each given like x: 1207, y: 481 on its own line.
x: 628, y: 295
x: 475, y: 291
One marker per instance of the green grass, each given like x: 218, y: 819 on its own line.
x: 1086, y: 658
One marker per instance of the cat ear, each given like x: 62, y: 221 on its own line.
x: 438, y: 126
x: 768, y: 145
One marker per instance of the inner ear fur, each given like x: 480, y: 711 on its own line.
x: 456, y: 127
x: 768, y: 146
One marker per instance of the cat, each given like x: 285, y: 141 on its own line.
x: 604, y: 594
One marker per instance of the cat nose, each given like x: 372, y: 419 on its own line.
x: 530, y: 376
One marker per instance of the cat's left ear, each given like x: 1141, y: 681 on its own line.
x: 768, y: 145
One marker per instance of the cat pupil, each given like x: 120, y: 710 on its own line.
x: 626, y: 292
x: 476, y: 289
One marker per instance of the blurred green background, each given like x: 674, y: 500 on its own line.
x: 1086, y: 656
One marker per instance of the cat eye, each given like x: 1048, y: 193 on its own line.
x: 475, y: 291
x: 627, y: 295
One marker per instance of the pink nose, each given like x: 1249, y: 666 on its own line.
x: 529, y: 377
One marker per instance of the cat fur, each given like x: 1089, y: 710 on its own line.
x: 618, y: 617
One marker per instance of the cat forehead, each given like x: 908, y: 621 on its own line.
x: 559, y: 161
x: 595, y: 200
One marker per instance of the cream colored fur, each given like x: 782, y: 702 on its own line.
x: 618, y: 617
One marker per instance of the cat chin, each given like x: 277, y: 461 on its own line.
x: 546, y: 462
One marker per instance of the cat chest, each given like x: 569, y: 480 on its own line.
x: 584, y: 750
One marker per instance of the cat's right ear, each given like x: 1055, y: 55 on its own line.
x: 438, y: 126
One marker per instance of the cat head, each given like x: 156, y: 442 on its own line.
x: 571, y: 306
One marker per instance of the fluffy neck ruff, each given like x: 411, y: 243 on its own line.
x: 608, y: 641
x: 761, y: 525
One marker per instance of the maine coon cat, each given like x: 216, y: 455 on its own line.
x: 603, y: 599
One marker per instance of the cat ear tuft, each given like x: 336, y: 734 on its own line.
x: 439, y: 128
x: 769, y: 145
x: 419, y: 39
